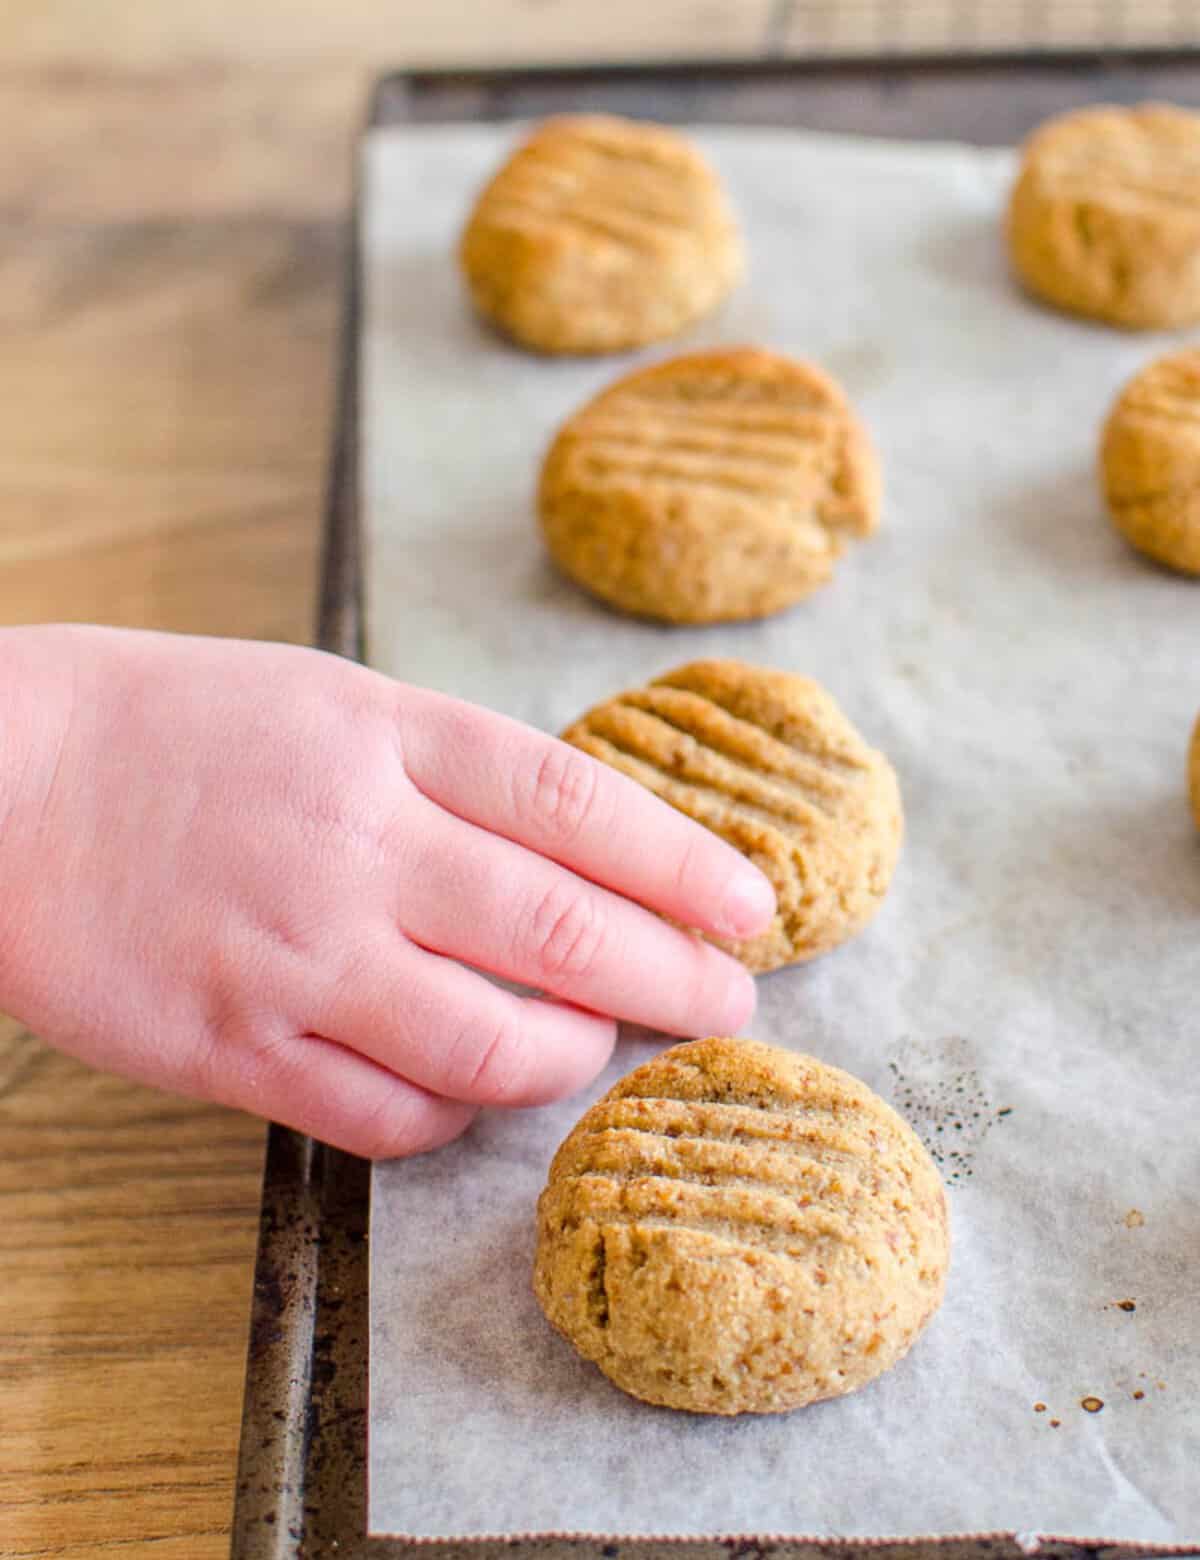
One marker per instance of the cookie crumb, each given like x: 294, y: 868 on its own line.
x: 1134, y: 1219
x: 1054, y: 1424
x: 1139, y: 1395
x: 1091, y: 1405
x: 1039, y: 1408
x: 1007, y: 1110
x: 1126, y: 1305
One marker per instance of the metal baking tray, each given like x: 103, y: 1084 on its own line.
x: 301, y: 1486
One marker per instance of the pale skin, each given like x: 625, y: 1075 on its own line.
x: 269, y: 877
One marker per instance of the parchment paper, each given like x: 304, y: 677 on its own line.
x: 1028, y: 995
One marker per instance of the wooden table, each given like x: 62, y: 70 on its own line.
x: 172, y: 189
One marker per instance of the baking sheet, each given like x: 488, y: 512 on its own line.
x: 1027, y: 996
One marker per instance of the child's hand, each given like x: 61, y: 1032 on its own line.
x: 245, y: 872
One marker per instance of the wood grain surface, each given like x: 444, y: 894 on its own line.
x: 173, y: 185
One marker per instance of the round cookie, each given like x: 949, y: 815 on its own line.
x: 1194, y: 772
x: 766, y: 760
x: 1150, y: 461
x: 707, y: 488
x: 736, y: 1228
x: 600, y: 234
x: 1104, y: 218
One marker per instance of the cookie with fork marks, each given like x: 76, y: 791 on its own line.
x: 1104, y: 217
x: 1150, y: 461
x: 713, y: 487
x: 767, y: 760
x: 600, y: 234
x: 736, y: 1228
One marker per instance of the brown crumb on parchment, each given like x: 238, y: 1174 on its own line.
x: 1091, y: 1405
x: 1054, y: 1424
x: 1126, y: 1305
x: 1039, y: 1408
x: 1134, y: 1219
x: 1139, y: 1395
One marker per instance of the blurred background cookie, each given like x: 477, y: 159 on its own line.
x: 1104, y: 219
x: 716, y: 486
x: 768, y: 761
x: 735, y: 1228
x: 600, y: 234
x: 1150, y: 461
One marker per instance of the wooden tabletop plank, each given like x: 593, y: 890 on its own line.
x: 101, y: 157
x: 376, y: 34
x: 371, y: 35
x: 126, y: 1243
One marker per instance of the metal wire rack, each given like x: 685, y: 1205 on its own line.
x: 910, y: 29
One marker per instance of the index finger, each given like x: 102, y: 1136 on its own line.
x: 564, y: 804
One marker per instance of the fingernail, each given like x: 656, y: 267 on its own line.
x: 749, y: 905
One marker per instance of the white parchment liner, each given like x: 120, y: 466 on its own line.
x: 1028, y: 997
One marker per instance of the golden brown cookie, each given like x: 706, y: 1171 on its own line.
x: 716, y: 486
x: 736, y: 1228
x: 1104, y: 218
x: 1150, y: 461
x: 766, y: 760
x: 1194, y: 772
x: 600, y: 234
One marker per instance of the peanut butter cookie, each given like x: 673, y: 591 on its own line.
x: 600, y: 234
x: 736, y: 1229
x: 716, y: 486
x: 1150, y: 461
x: 1104, y: 218
x: 766, y: 760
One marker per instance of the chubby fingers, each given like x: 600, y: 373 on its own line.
x: 511, y: 912
x: 392, y: 1051
x: 546, y: 795
x: 326, y: 1089
x: 450, y: 1031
